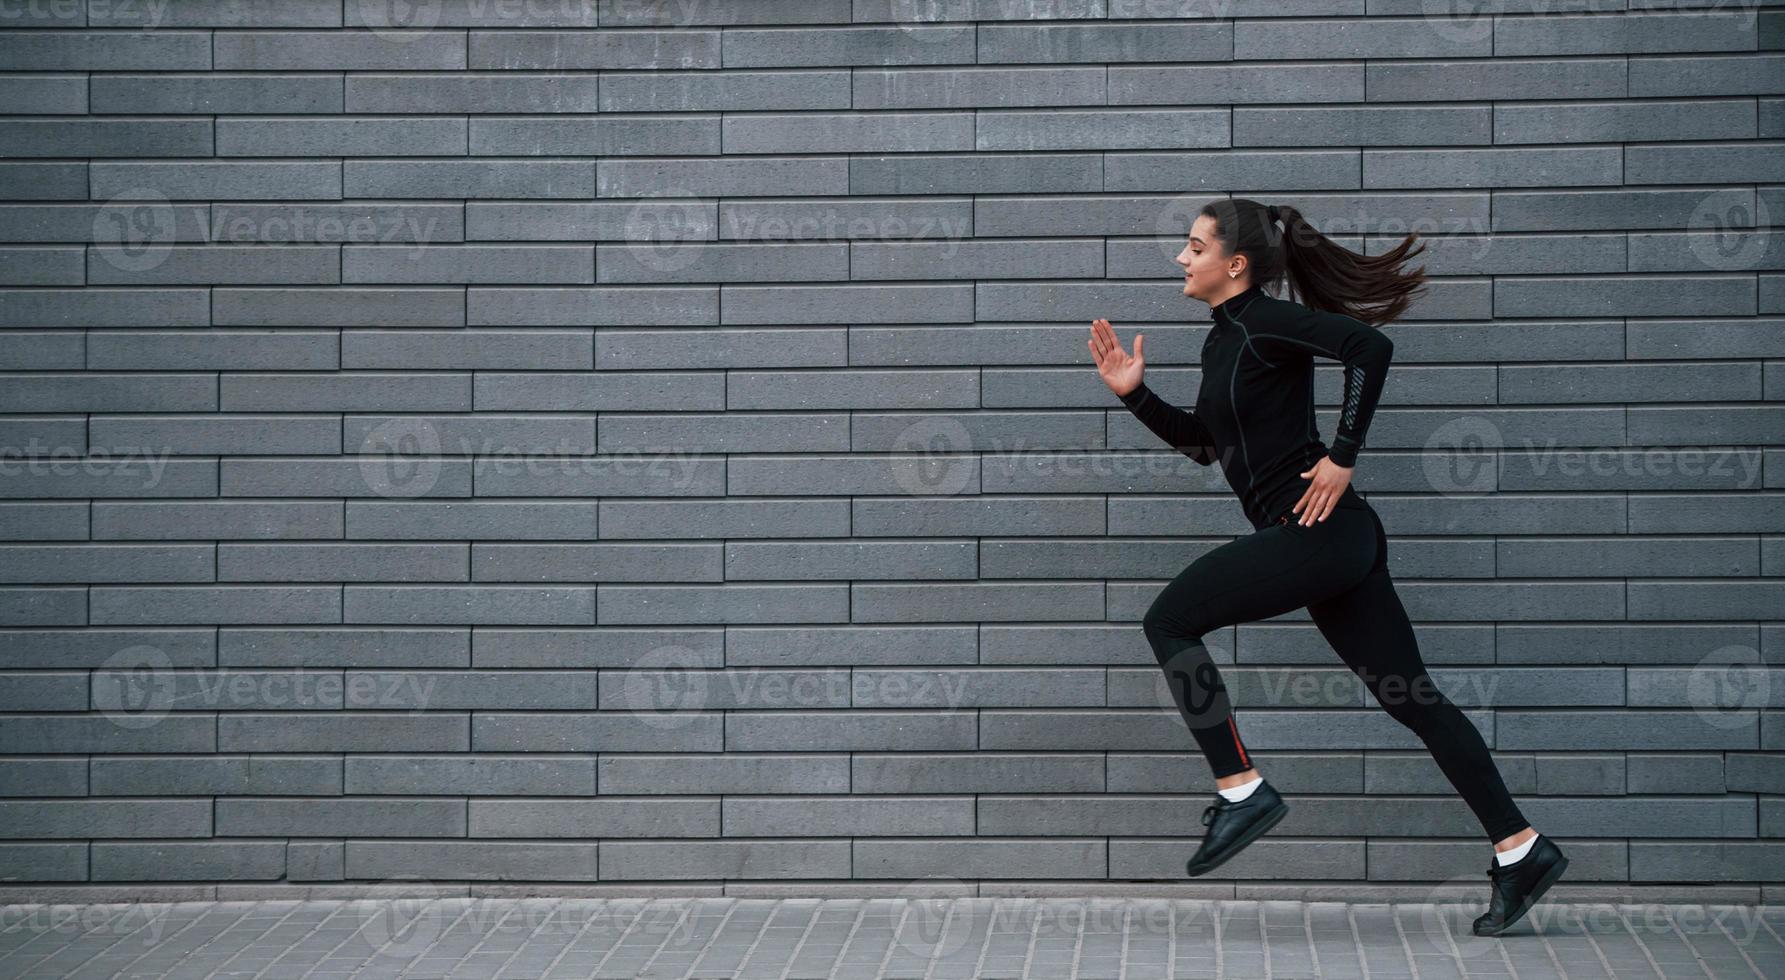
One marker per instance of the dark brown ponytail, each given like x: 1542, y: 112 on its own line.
x: 1322, y: 274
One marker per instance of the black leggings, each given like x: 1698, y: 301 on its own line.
x: 1338, y: 569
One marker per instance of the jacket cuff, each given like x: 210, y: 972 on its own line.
x: 1137, y: 397
x: 1342, y: 453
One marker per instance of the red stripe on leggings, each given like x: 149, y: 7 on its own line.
x: 1236, y: 743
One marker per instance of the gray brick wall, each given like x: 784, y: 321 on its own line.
x: 628, y: 442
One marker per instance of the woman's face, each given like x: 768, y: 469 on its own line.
x: 1205, y: 264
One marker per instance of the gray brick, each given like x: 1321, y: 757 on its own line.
x: 688, y: 817
x: 368, y: 307
x: 43, y: 606
x: 87, y: 137
x: 867, y: 731
x: 341, y: 137
x: 214, y: 350
x: 380, y: 473
x: 127, y: 477
x: 669, y: 91
x: 726, y: 433
x: 231, y: 775
x: 417, y: 92
x: 722, y: 263
x: 215, y: 94
x: 468, y: 604
x: 256, y: 181
x: 671, y: 774
x: 467, y: 435
x: 294, y: 50
x: 466, y: 349
x: 704, y: 860
x: 604, y: 647
x: 976, y: 173
x: 592, y: 50
x: 342, y: 563
x: 355, y: 391
x: 956, y: 88
x: 653, y: 604
x: 42, y: 267
x: 341, y: 732
x: 478, y: 775
x: 58, y: 350
x: 910, y: 816
x: 49, y: 776
x: 207, y: 604
x: 628, y: 306
x: 105, y: 50
x: 468, y: 179
x: 370, y: 223
x: 189, y: 861
x: 52, y: 563
x: 840, y: 646
x: 211, y: 435
x: 108, y: 818
x: 476, y: 520
x: 612, y: 731
x: 95, y: 647
x: 846, y: 560
x: 1066, y: 43
x: 1597, y: 122
x: 314, y: 860
x: 1082, y: 858
x: 344, y: 647
x: 372, y: 817
x: 217, y: 13
x: 473, y: 860
x: 597, y: 563
x: 592, y: 136
x: 848, y: 46
x: 1117, y: 129
x: 104, y: 308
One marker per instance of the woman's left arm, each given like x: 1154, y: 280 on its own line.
x: 1365, y: 352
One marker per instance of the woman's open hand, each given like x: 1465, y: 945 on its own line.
x: 1329, y: 482
x: 1121, y: 371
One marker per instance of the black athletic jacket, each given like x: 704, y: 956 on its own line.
x: 1255, y: 409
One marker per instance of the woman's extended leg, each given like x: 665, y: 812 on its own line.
x: 1369, y: 628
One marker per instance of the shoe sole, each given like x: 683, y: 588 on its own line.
x: 1256, y: 831
x: 1537, y: 890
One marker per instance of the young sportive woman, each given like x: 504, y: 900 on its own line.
x: 1316, y: 542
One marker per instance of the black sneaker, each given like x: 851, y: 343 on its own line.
x: 1234, y: 825
x: 1517, y: 886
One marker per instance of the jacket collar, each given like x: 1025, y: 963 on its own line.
x: 1223, y: 312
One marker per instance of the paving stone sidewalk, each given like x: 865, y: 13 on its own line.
x: 511, y: 938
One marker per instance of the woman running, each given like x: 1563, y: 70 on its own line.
x: 1316, y: 542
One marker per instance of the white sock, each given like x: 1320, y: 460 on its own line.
x: 1504, y: 858
x: 1234, y: 794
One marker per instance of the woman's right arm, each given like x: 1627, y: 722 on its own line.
x: 1182, y: 430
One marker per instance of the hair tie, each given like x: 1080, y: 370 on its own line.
x: 1273, y: 212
